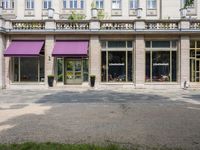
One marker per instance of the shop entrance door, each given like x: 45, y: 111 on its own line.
x: 73, y: 71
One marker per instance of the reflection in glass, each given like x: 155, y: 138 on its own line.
x: 117, y: 66
x: 16, y: 69
x: 103, y: 67
x: 174, y: 66
x: 42, y: 69
x: 130, y: 73
x: 59, y: 69
x: 85, y: 70
x: 161, y: 66
x: 28, y: 69
x: 148, y: 64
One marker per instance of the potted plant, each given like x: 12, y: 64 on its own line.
x: 101, y: 14
x: 92, y: 80
x: 94, y: 11
x: 183, y: 10
x: 50, y: 80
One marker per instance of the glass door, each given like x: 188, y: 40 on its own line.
x: 73, y: 71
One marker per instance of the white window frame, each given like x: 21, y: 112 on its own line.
x: 8, y: 4
x: 134, y: 3
x: 98, y: 4
x: 30, y: 4
x: 116, y: 4
x: 151, y: 6
x: 48, y: 4
x: 73, y: 4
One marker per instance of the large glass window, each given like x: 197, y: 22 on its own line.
x: 194, y: 61
x: 8, y: 4
x: 116, y: 4
x: 116, y: 61
x: 60, y: 72
x: 47, y: 4
x: 30, y: 4
x: 28, y: 69
x: 133, y: 4
x: 161, y: 61
x: 151, y: 4
x: 99, y: 4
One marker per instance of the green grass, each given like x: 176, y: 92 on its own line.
x: 56, y: 146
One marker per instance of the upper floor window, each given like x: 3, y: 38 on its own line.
x: 133, y: 4
x: 116, y: 4
x: 151, y: 4
x: 64, y: 4
x: 30, y: 4
x: 47, y: 4
x: 8, y: 4
x: 73, y: 4
x: 82, y: 4
x: 99, y: 4
x: 190, y: 6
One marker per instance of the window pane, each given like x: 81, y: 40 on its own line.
x: 82, y: 4
x: 157, y: 44
x: 161, y: 66
x: 64, y: 4
x: 45, y: 4
x: 130, y: 66
x: 16, y: 69
x: 75, y: 4
x: 192, y: 44
x: 42, y: 76
x: 103, y: 66
x: 71, y: 4
x: 174, y: 44
x: 59, y: 69
x: 174, y: 66
x: 133, y: 4
x: 116, y: 44
x: 148, y: 70
x: 192, y: 70
x: 148, y: 44
x: 103, y: 44
x: 129, y: 44
x: 29, y: 69
x: 192, y: 53
x: 198, y: 44
x: 117, y: 66
x: 85, y: 70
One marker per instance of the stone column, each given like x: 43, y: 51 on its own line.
x: 2, y: 65
x: 49, y: 60
x: 184, y: 59
x: 139, y: 61
x: 95, y: 58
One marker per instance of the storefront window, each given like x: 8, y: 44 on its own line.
x: 85, y: 70
x: 116, y: 61
x: 194, y: 61
x: 28, y: 69
x: 60, y: 69
x: 161, y: 61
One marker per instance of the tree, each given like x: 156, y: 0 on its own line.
x: 188, y: 3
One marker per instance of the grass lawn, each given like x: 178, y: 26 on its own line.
x: 56, y: 146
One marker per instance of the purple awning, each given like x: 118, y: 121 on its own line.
x: 70, y: 49
x: 24, y: 49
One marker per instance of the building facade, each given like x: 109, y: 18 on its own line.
x: 157, y: 48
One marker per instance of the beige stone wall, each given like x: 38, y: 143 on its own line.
x: 139, y: 61
x: 95, y: 58
x: 2, y: 64
x: 170, y: 9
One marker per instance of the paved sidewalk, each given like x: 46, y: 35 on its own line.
x: 147, y: 117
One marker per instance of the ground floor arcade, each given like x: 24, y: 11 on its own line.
x: 136, y: 61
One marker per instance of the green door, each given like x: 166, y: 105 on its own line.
x: 73, y: 71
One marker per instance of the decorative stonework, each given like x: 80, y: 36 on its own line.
x: 28, y: 25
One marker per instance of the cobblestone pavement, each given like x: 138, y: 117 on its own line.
x: 146, y: 117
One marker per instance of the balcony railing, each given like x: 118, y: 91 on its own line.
x: 117, y: 25
x: 163, y: 25
x: 28, y: 25
x: 195, y: 25
x: 73, y: 25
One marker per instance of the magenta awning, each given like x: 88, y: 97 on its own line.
x: 70, y: 49
x: 24, y: 49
